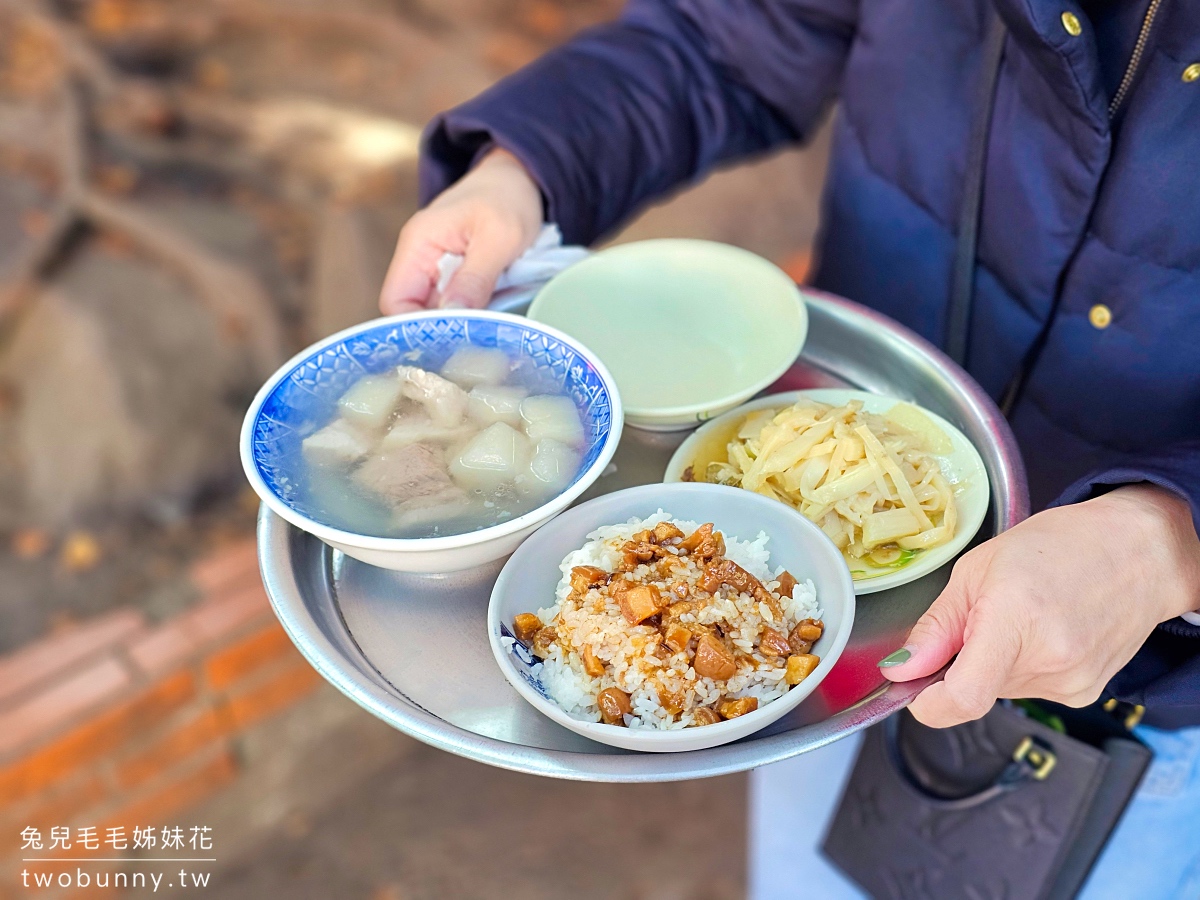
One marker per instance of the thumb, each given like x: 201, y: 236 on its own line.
x: 935, y: 639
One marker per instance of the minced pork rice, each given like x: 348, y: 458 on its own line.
x: 627, y: 650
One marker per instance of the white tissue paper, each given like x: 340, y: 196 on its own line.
x: 541, y: 262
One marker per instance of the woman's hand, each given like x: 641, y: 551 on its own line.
x: 491, y: 216
x: 1055, y: 606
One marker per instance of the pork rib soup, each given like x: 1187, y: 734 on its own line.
x: 414, y: 453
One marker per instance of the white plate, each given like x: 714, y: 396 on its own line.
x: 962, y: 467
x: 530, y: 577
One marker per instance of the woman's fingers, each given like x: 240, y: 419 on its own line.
x: 491, y: 248
x: 936, y: 637
x: 410, y: 278
x: 986, y: 646
x: 978, y: 677
x: 489, y: 217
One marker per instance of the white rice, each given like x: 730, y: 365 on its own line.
x: 635, y: 671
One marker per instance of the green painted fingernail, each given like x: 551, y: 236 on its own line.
x: 894, y: 659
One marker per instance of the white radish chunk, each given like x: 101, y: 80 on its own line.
x: 472, y: 366
x: 338, y: 444
x: 494, y: 456
x: 553, y: 466
x: 445, y: 401
x: 419, y: 428
x: 496, y: 403
x: 371, y: 401
x: 552, y: 416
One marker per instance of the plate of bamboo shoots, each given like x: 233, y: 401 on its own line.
x: 896, y: 487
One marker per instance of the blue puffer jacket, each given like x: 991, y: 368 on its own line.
x: 1080, y: 210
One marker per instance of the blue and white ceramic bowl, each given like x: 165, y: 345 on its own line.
x: 302, y: 396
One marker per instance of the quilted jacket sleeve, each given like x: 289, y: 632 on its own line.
x: 1164, y: 676
x: 627, y: 111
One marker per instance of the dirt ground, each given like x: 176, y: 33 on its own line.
x: 335, y: 804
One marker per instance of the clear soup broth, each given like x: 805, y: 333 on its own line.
x: 415, y: 453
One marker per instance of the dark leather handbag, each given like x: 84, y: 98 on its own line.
x: 1002, y: 808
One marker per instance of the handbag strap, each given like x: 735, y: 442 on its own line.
x: 962, y: 285
x: 1032, y: 760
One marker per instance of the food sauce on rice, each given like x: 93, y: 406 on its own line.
x: 669, y: 624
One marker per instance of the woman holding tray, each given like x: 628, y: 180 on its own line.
x: 1085, y: 312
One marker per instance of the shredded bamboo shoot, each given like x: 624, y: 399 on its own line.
x: 872, y: 483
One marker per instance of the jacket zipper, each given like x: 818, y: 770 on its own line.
x: 1135, y: 60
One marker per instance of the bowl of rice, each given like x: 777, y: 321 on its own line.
x: 671, y: 617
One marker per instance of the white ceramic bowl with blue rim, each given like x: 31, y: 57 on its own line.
x: 302, y: 396
x: 529, y: 580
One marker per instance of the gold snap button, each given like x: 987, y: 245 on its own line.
x: 1192, y: 73
x: 1100, y: 316
x: 1071, y: 24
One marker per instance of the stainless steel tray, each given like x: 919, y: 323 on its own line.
x: 413, y: 649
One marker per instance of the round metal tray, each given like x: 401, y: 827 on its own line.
x: 413, y: 649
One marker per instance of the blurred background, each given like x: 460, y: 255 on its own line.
x: 191, y: 191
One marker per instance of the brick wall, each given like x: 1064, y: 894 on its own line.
x: 117, y: 722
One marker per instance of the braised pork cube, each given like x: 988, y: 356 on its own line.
x: 676, y: 637
x: 731, y: 709
x: 693, y: 540
x: 614, y: 706
x: 726, y: 571
x: 706, y: 716
x: 806, y: 633
x: 542, y: 640
x: 810, y: 629
x: 713, y: 659
x: 672, y: 701
x: 704, y: 543
x: 787, y: 584
x: 772, y: 643
x: 665, y: 531
x: 444, y: 400
x: 640, y: 551
x: 799, y: 667
x: 585, y: 577
x: 525, y: 626
x: 797, y: 644
x: 640, y: 602
x: 591, y: 663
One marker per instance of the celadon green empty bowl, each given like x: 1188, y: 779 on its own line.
x: 689, y: 329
